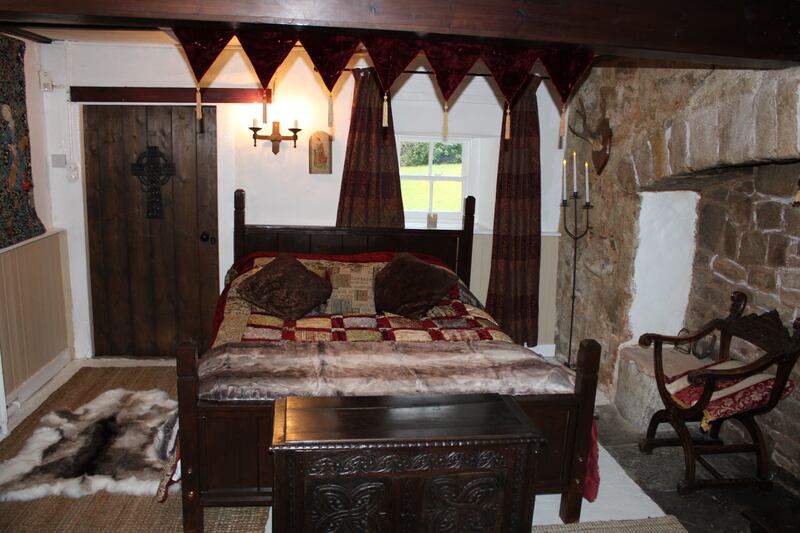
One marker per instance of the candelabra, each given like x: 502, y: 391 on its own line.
x: 575, y: 234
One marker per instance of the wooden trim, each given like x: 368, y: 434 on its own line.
x: 758, y: 34
x: 186, y: 366
x: 172, y: 95
x: 25, y: 34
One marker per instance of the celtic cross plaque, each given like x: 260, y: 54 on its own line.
x: 154, y: 171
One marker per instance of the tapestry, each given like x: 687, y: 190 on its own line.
x: 18, y: 220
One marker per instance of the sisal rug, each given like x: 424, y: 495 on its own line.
x: 661, y: 524
x: 119, y: 442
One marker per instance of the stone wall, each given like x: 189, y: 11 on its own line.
x: 674, y: 128
x: 749, y: 241
x: 713, y: 131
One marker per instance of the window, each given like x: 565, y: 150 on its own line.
x: 432, y: 179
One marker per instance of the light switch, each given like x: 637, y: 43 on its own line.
x: 58, y: 160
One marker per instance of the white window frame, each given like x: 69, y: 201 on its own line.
x: 446, y: 219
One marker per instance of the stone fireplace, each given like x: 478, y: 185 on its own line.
x: 695, y: 202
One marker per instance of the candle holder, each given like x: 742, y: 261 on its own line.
x: 575, y: 234
x: 275, y: 138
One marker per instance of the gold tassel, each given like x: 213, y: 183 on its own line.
x: 563, y: 128
x: 330, y: 113
x: 385, y: 122
x: 198, y: 104
x: 264, y: 107
x: 508, y: 123
x: 444, y: 124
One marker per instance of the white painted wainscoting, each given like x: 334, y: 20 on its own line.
x: 34, y: 334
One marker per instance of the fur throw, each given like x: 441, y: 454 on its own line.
x: 118, y: 442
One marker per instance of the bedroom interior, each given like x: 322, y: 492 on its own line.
x: 138, y: 167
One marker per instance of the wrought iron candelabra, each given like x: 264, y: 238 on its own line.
x: 575, y: 234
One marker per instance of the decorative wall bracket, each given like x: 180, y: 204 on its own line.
x: 275, y: 138
x: 154, y: 170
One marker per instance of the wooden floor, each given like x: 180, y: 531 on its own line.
x: 104, y: 512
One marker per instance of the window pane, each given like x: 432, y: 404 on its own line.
x: 447, y: 196
x: 415, y: 194
x: 447, y: 159
x: 414, y: 159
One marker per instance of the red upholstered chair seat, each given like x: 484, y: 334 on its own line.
x: 730, y: 397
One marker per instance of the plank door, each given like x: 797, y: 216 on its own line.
x: 154, y: 281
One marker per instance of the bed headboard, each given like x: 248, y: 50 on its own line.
x: 454, y: 247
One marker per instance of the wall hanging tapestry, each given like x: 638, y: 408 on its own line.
x: 119, y: 442
x: 18, y: 219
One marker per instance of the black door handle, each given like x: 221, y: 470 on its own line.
x: 205, y: 236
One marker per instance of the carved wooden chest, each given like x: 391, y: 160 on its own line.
x: 384, y: 464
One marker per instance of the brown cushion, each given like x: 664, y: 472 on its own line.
x: 285, y: 288
x: 409, y: 286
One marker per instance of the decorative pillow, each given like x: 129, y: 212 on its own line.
x: 352, y: 288
x: 409, y: 286
x: 285, y: 288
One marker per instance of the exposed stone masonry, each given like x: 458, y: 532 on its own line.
x: 694, y: 129
x: 749, y: 240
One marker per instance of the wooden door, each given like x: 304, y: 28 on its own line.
x: 154, y: 281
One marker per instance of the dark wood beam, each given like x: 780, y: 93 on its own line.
x: 743, y: 32
x: 172, y: 95
x: 25, y: 34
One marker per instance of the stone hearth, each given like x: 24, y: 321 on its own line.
x: 731, y: 136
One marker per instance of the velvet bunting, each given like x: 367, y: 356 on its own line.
x: 510, y: 66
x: 330, y: 54
x: 566, y: 66
x: 202, y: 46
x: 390, y: 56
x: 450, y: 61
x: 266, y: 50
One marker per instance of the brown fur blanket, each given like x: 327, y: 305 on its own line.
x: 118, y: 442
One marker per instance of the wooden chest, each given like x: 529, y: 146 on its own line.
x: 422, y: 463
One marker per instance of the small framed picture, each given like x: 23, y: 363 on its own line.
x: 319, y: 153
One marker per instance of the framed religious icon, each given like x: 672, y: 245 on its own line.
x: 319, y: 153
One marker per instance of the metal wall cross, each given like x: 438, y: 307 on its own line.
x: 154, y: 171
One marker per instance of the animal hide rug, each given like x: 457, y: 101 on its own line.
x: 118, y: 442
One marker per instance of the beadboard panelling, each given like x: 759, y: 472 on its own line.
x: 33, y: 311
x: 481, y: 262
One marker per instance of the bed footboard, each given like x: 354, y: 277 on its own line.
x: 585, y: 390
x: 188, y: 419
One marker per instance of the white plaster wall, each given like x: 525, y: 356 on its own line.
x: 662, y: 275
x: 280, y: 189
x: 36, y: 127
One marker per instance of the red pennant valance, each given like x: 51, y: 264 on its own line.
x: 202, y: 46
x: 510, y: 66
x: 566, y: 66
x: 330, y: 53
x: 450, y: 61
x: 390, y: 56
x: 266, y: 50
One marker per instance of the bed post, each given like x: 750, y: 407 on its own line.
x: 465, y: 241
x: 238, y: 224
x: 187, y: 418
x: 585, y: 389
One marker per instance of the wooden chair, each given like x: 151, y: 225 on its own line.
x: 726, y: 389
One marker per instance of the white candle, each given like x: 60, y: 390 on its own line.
x: 586, y: 170
x: 564, y: 179
x: 255, y: 122
x: 574, y: 172
x: 295, y: 124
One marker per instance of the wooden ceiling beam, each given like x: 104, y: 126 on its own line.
x: 751, y: 33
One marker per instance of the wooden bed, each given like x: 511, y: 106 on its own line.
x: 224, y: 446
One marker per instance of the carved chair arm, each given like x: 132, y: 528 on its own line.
x: 710, y: 375
x: 648, y: 338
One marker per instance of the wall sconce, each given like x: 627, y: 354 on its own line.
x: 275, y: 138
